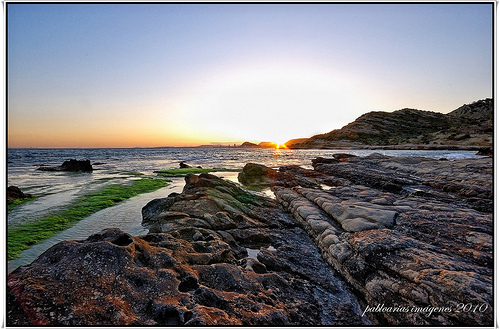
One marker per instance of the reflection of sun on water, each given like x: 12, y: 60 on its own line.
x: 280, y: 150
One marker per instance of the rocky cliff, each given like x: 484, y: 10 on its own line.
x: 356, y: 241
x: 470, y: 125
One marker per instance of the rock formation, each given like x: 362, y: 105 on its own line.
x: 356, y: 241
x: 249, y: 145
x: 193, y: 268
x: 406, y: 232
x: 14, y: 193
x: 71, y: 165
x: 271, y: 145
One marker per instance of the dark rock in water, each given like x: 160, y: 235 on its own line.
x: 14, y: 193
x: 340, y: 157
x: 183, y: 165
x: 192, y: 268
x: 71, y: 165
x: 77, y: 165
x: 487, y: 151
x: 257, y: 174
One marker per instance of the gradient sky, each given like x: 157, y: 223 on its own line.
x: 126, y: 75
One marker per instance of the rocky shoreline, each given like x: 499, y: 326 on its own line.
x: 356, y: 241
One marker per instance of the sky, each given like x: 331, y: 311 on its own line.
x: 149, y: 75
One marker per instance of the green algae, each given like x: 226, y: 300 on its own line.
x: 13, y: 203
x: 25, y: 235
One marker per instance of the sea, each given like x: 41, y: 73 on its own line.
x: 56, y: 190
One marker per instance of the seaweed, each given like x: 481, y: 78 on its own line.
x: 23, y: 236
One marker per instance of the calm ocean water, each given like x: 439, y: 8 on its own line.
x: 54, y: 190
x: 150, y: 159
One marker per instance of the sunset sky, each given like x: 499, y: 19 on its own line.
x: 139, y: 75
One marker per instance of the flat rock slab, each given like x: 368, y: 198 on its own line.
x: 431, y: 249
x: 352, y: 216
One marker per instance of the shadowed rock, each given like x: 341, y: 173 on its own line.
x: 71, y: 165
x: 14, y: 193
x: 487, y: 151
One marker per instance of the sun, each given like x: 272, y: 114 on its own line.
x: 233, y: 103
x: 281, y: 145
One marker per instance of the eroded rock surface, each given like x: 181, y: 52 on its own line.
x: 467, y: 182
x: 193, y: 268
x: 435, y: 251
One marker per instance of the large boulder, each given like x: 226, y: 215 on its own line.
x: 257, y: 174
x: 77, y: 165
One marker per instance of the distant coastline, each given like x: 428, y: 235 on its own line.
x: 469, y: 127
x: 364, y: 147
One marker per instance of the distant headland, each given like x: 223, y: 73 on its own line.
x: 468, y: 127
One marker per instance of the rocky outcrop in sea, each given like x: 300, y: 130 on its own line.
x: 355, y: 241
x: 71, y: 165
